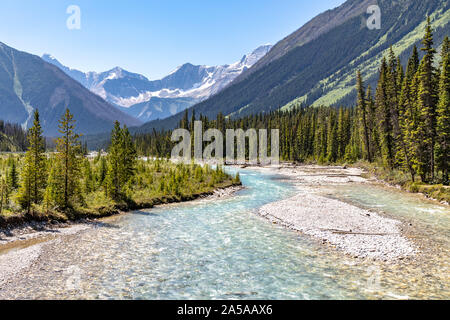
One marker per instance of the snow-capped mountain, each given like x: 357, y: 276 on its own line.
x: 28, y: 83
x: 157, y: 99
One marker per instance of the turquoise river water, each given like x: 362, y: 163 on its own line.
x: 221, y: 249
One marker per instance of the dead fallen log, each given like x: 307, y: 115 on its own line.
x: 344, y: 232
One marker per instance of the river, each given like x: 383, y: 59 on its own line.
x: 221, y: 249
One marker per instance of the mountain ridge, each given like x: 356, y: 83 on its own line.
x: 27, y: 83
x: 310, y: 31
x: 185, y: 86
x: 324, y: 69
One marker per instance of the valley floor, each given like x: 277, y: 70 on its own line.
x: 368, y: 237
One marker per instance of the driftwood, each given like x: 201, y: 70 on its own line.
x: 331, y: 175
x: 358, y: 233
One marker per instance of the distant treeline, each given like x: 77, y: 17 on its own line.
x: 64, y: 184
x: 403, y: 125
x: 12, y: 137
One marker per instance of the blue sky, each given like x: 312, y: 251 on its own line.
x: 152, y: 37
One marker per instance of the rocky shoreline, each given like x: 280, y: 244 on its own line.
x: 357, y: 232
x: 28, y: 230
x: 22, y: 244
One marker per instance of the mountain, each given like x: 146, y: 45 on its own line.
x: 159, y: 108
x: 27, y: 83
x: 319, y: 25
x: 148, y: 100
x: 317, y: 64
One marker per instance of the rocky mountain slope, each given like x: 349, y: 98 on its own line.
x: 27, y: 83
x: 158, y: 99
x: 319, y: 67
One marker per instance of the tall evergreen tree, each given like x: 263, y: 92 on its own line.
x: 374, y: 142
x: 3, y: 193
x: 54, y: 192
x: 427, y: 100
x: 13, y: 176
x: 332, y: 142
x: 121, y: 161
x: 34, y: 174
x: 443, y: 116
x: 68, y: 149
x: 363, y: 112
x: 408, y: 116
x: 129, y: 155
x: 384, y: 116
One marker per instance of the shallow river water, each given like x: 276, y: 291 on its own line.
x: 221, y: 249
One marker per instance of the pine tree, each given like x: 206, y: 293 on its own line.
x: 408, y: 116
x: 89, y: 184
x: 129, y: 155
x: 102, y: 171
x: 13, y: 176
x: 427, y: 100
x: 363, y: 112
x: 121, y: 161
x: 384, y: 116
x: 372, y: 124
x: 34, y: 174
x: 342, y: 133
x: 68, y: 149
x: 3, y: 193
x: 54, y: 193
x: 443, y: 116
x: 332, y: 146
x: 114, y: 163
x: 394, y: 83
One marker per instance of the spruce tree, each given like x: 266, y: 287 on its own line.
x: 54, y: 193
x: 332, y: 146
x: 34, y: 169
x: 3, y: 193
x: 384, y: 116
x: 408, y: 116
x: 121, y: 161
x: 114, y: 163
x: 363, y: 112
x: 129, y: 155
x: 427, y: 100
x: 443, y: 116
x: 374, y: 142
x: 68, y: 149
x: 13, y: 176
x: 341, y: 134
x: 102, y: 171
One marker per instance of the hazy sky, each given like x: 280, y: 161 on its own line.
x: 152, y: 37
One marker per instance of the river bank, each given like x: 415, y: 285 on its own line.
x: 22, y: 245
x: 22, y: 228
x: 400, y: 180
x: 355, y: 231
x: 221, y: 249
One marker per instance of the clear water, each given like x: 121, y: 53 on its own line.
x: 221, y: 249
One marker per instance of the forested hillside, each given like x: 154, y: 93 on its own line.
x: 402, y: 124
x: 322, y: 71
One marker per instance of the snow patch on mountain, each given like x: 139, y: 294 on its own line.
x: 186, y: 83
